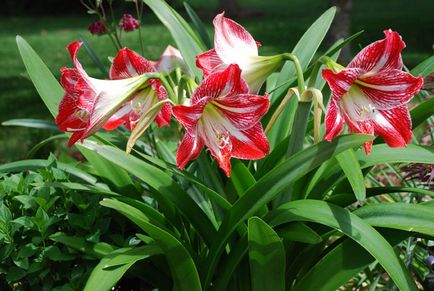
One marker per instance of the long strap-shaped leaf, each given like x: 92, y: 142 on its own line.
x: 162, y: 183
x: 266, y: 257
x: 354, y: 227
x: 184, y: 272
x: 340, y: 264
x: 112, y: 267
x: 347, y: 259
x: 271, y: 185
x: 380, y: 154
x: 187, y: 41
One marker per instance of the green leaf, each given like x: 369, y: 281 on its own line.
x: 403, y: 216
x: 380, y: 154
x: 167, y: 191
x: 24, y: 165
x: 298, y: 231
x: 304, y: 50
x: 113, y: 174
x: 32, y: 123
x: 198, y: 25
x: 422, y: 112
x: 44, y: 142
x: 187, y: 41
x: 44, y: 81
x: 183, y: 270
x: 266, y: 256
x: 97, y: 250
x: 345, y: 199
x: 352, y: 226
x: 425, y: 68
x: 93, y: 55
x: 132, y: 255
x: 272, y: 184
x: 113, y: 266
x: 340, y: 264
x: 241, y: 177
x: 349, y: 164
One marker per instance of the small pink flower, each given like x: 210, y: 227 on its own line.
x: 129, y: 23
x: 224, y: 117
x: 97, y: 28
x: 371, y: 94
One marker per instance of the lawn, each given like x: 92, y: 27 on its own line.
x: 279, y: 25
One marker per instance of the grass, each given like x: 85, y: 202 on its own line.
x: 278, y: 28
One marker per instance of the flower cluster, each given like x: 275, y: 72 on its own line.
x: 129, y: 23
x: 224, y: 111
x: 97, y: 28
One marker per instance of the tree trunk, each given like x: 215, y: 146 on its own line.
x: 341, y: 26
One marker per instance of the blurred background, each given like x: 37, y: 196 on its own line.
x: 49, y: 25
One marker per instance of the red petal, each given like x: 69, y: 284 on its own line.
x: 381, y: 55
x: 219, y: 84
x: 341, y: 82
x: 129, y: 64
x: 243, y: 110
x: 232, y: 41
x: 334, y: 123
x: 188, y: 116
x: 163, y: 118
x: 390, y: 88
x: 189, y: 148
x: 256, y: 147
x: 210, y: 62
x: 394, y: 126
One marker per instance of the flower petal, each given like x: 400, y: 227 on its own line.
x: 127, y: 64
x: 210, y: 62
x: 244, y: 110
x: 381, y: 55
x: 219, y: 84
x: 394, y: 126
x: 189, y: 148
x: 232, y: 42
x: 188, y: 116
x: 253, y: 148
x: 334, y: 122
x: 341, y: 82
x: 390, y: 88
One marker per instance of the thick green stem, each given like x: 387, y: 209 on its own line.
x: 298, y: 69
x: 169, y: 89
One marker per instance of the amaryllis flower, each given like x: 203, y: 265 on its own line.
x: 88, y: 102
x: 224, y: 117
x: 97, y: 28
x: 234, y: 45
x: 169, y: 60
x: 370, y: 95
x: 129, y: 23
x: 128, y: 64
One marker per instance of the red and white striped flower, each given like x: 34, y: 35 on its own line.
x: 128, y: 64
x: 234, y: 45
x: 88, y: 103
x: 224, y: 117
x: 371, y: 94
